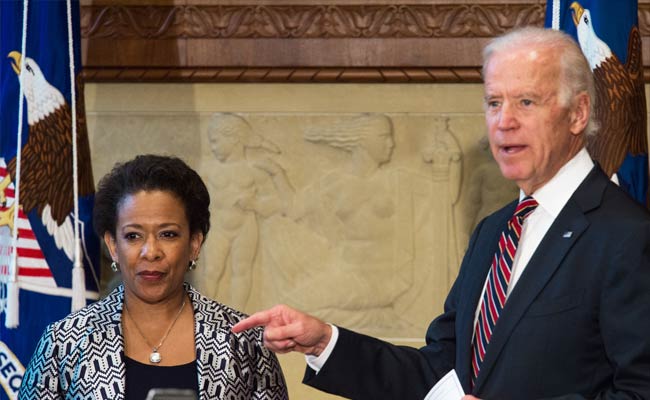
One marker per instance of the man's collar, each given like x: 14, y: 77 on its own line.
x: 554, y: 194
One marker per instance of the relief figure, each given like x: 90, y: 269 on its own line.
x: 445, y: 156
x: 336, y: 250
x: 242, y: 192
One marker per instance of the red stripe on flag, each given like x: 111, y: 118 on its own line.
x: 31, y: 253
x: 37, y: 272
x: 26, y: 234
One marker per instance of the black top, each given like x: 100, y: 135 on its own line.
x: 142, y: 377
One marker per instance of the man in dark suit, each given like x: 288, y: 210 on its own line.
x: 553, y: 302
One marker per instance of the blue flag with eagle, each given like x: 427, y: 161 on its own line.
x: 45, y: 220
x: 608, y: 34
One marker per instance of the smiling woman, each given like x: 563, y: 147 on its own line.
x: 154, y: 330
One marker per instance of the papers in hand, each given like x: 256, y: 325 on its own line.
x: 447, y: 388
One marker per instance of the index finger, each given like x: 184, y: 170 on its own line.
x: 261, y: 318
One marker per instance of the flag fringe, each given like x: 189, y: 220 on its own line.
x: 78, y: 287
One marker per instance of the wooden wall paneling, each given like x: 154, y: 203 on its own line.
x: 300, y: 40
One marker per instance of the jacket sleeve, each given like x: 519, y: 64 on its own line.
x: 362, y: 367
x: 41, y: 379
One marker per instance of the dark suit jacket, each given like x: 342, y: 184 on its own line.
x: 576, y: 325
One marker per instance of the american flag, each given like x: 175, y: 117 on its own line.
x: 33, y: 271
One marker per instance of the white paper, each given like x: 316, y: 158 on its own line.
x: 447, y: 388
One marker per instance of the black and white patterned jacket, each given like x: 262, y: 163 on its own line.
x: 80, y: 356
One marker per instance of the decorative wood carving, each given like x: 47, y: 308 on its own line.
x: 306, y: 42
x: 307, y: 21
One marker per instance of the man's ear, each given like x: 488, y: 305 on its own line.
x: 111, y: 245
x: 579, y: 115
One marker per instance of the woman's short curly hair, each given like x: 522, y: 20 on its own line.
x: 150, y: 173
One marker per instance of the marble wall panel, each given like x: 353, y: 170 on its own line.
x: 120, y: 136
x: 351, y: 202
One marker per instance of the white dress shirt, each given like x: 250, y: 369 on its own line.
x: 552, y: 197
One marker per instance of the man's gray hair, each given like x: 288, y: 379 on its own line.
x: 575, y: 74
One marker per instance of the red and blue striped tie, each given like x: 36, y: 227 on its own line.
x: 494, y: 298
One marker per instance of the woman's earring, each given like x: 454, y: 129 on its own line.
x: 192, y: 266
x: 114, y: 266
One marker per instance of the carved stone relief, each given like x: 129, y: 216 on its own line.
x: 445, y: 156
x: 486, y: 191
x: 350, y: 217
x: 361, y: 219
x: 242, y: 194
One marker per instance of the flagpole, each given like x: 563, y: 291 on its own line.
x: 12, y: 311
x: 78, y: 276
x: 555, y: 21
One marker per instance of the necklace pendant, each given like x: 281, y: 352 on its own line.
x: 154, y: 357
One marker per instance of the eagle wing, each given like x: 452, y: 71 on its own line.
x: 620, y: 109
x: 46, y: 165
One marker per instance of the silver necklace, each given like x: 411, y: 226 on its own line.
x: 155, y: 356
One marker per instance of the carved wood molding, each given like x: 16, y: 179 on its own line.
x: 305, y: 42
x: 307, y: 21
x: 286, y: 75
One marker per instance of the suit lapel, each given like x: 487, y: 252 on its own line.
x: 105, y: 329
x: 544, y: 263
x: 485, y: 246
x: 207, y: 329
x: 201, y: 331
